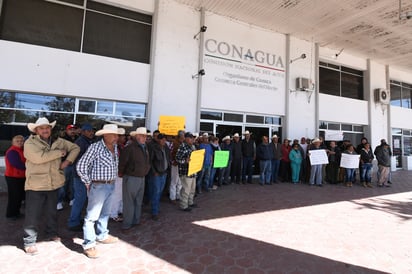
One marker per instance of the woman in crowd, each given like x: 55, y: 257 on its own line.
x: 15, y: 177
x: 350, y: 172
x: 296, y: 158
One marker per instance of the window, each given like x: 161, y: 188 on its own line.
x: 233, y: 117
x: 18, y: 108
x: 256, y: 119
x: 107, y: 30
x: 354, y: 133
x: 211, y: 115
x: 42, y: 23
x: 340, y: 81
x: 401, y: 94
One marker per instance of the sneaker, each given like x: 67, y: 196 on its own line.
x: 59, y: 206
x: 91, y: 253
x: 369, y: 185
x: 214, y: 187
x: 109, y: 240
x: 31, y: 250
x: 71, y: 202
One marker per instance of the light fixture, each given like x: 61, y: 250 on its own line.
x: 202, y: 29
x: 404, y: 15
x: 303, y: 56
x: 199, y: 73
x: 336, y: 55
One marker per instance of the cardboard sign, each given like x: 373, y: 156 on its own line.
x: 170, y: 125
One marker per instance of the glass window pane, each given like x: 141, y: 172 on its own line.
x: 211, y: 115
x: 42, y: 23
x: 406, y: 97
x: 329, y: 81
x: 119, y: 12
x: 41, y: 102
x: 323, y: 125
x: 352, y: 86
x: 255, y: 119
x: 87, y: 106
x: 206, y: 127
x: 346, y: 127
x: 333, y: 126
x: 130, y: 109
x: 406, y: 132
x: 232, y: 117
x: 396, y: 131
x: 407, y: 146
x: 358, y: 128
x: 395, y: 95
x: 273, y: 120
x: 104, y: 107
x: 115, y: 37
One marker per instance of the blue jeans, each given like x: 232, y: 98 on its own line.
x: 157, y: 184
x: 350, y: 174
x: 203, y: 178
x: 80, y: 197
x: 265, y: 171
x: 66, y: 191
x: 366, y: 173
x: 98, y: 211
x: 316, y: 175
x: 247, y: 169
x: 275, y: 170
x: 212, y: 177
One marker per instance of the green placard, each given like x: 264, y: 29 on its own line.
x: 221, y: 159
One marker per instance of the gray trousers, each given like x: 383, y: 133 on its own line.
x: 37, y: 204
x: 132, y: 192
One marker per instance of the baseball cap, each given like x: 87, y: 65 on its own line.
x: 188, y: 135
x: 87, y: 127
x: 70, y: 126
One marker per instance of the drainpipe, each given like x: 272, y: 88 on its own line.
x: 388, y: 107
x: 316, y: 92
x: 155, y: 24
x: 287, y: 92
x: 199, y: 67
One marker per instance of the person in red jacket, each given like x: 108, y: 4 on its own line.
x: 15, y: 177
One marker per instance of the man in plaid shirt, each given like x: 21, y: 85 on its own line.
x: 188, y: 182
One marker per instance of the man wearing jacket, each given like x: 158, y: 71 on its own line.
x: 44, y: 176
x: 134, y: 165
x: 159, y: 161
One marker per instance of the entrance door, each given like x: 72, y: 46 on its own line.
x: 397, y: 150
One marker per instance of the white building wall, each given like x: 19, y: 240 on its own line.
x: 175, y: 61
x: 378, y: 112
x: 246, y: 84
x: 301, y: 118
x: 53, y: 71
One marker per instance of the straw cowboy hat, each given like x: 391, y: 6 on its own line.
x: 139, y: 130
x: 247, y: 132
x: 274, y: 136
x: 109, y: 129
x: 226, y: 138
x: 236, y: 135
x: 40, y: 122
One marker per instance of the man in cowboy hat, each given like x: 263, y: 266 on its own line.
x: 133, y: 167
x: 98, y: 168
x: 249, y: 157
x: 44, y: 177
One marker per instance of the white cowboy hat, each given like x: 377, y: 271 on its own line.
x: 236, y: 135
x: 139, y: 130
x: 121, y: 131
x: 40, y: 122
x: 109, y: 129
x: 226, y: 138
x: 247, y: 132
x: 275, y: 136
x: 205, y: 134
x: 316, y: 140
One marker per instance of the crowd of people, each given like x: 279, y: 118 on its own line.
x: 109, y: 175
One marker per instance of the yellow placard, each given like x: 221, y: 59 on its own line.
x: 196, y: 161
x: 170, y: 125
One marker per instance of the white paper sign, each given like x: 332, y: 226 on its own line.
x: 318, y: 157
x: 349, y: 160
x: 333, y: 135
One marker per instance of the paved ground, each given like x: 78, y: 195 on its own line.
x: 281, y: 228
